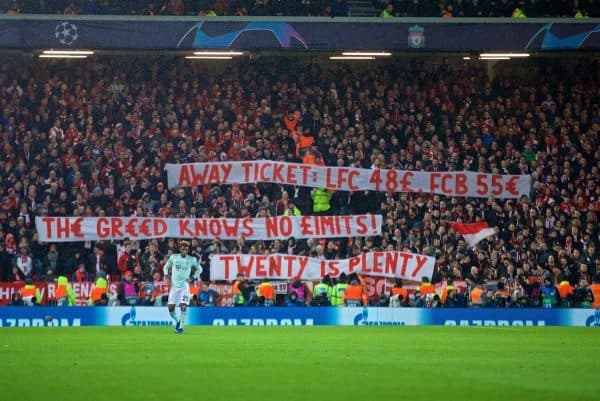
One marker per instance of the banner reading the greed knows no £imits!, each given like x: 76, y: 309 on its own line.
x: 71, y: 229
x: 450, y: 183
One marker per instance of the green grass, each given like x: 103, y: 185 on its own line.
x: 299, y: 363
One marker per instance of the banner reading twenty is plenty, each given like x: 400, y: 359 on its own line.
x: 69, y: 229
x: 284, y: 267
x: 451, y: 183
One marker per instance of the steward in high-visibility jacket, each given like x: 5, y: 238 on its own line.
x: 426, y: 287
x: 194, y: 291
x: 398, y: 290
x: 30, y: 294
x: 324, y: 289
x: 595, y: 289
x: 355, y: 294
x: 565, y: 290
x: 239, y: 286
x: 449, y: 286
x: 477, y: 295
x: 501, y: 296
x: 321, y: 198
x: 339, y: 289
x: 100, y: 288
x: 266, y: 290
x: 292, y: 210
x: 518, y: 14
x: 64, y: 295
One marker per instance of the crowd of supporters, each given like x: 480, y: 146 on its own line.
x: 335, y: 8
x: 92, y: 139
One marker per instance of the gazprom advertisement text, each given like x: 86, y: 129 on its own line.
x: 152, y: 316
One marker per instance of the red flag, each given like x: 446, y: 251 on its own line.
x: 474, y: 232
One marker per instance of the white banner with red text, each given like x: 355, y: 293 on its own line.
x: 82, y: 291
x: 284, y: 267
x: 69, y: 229
x: 450, y: 183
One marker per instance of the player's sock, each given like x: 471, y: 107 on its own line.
x: 174, y: 315
x: 182, y: 320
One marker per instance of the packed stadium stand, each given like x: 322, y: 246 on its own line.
x: 92, y: 139
x: 338, y: 8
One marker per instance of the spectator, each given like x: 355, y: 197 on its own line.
x: 13, y: 9
x: 149, y: 291
x: 137, y: 274
x: 221, y: 7
x: 68, y: 267
x: 81, y: 275
x: 150, y: 9
x: 5, y: 264
x: 470, y: 121
x: 52, y: 257
x: 16, y: 276
x: 128, y: 290
x: 298, y: 287
x: 48, y: 275
x: 307, y: 7
x: 339, y: 8
x: 550, y: 296
x: 292, y: 300
x: 447, y: 12
x: 388, y: 11
x: 16, y: 300
x: 128, y: 260
x: 24, y: 262
x: 459, y: 8
x: 96, y: 262
x: 71, y: 9
x: 408, y: 8
x: 451, y: 299
x: 173, y: 7
x: 207, y: 296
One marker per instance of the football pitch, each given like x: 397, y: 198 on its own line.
x: 299, y: 363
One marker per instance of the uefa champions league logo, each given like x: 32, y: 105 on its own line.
x: 66, y: 33
x: 282, y: 32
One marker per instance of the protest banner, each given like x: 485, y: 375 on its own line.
x: 70, y: 229
x: 450, y: 183
x: 284, y: 267
x: 82, y: 291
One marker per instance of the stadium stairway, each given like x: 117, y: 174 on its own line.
x: 362, y: 8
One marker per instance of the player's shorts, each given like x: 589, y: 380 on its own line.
x: 178, y: 296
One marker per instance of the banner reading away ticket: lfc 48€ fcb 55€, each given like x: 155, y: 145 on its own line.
x: 450, y: 183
